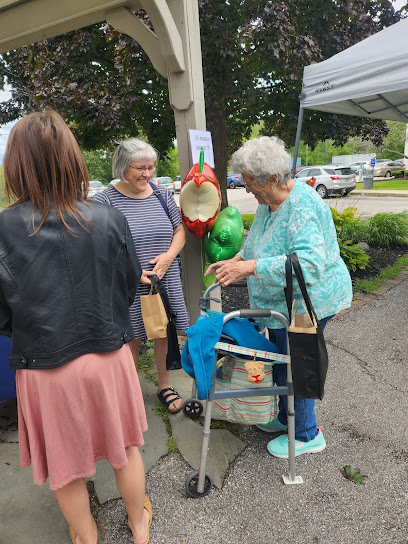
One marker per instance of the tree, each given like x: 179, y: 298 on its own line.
x: 254, y: 52
x: 339, y: 25
x: 395, y: 140
x: 99, y: 164
x: 99, y: 80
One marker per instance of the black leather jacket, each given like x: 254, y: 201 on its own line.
x: 62, y: 296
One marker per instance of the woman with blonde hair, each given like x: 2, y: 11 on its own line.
x: 68, y: 274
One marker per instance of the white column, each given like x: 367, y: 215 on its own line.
x: 187, y: 100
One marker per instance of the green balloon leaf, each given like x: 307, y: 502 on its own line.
x: 225, y: 238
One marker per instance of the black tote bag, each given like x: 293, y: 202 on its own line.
x: 308, y: 351
x: 173, y: 359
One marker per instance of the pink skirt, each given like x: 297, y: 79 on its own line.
x: 71, y: 416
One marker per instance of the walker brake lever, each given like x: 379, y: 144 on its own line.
x: 204, y: 303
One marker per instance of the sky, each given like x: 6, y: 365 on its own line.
x: 5, y: 129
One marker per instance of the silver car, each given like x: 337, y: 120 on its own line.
x: 329, y: 179
x: 95, y: 187
x: 355, y: 166
x: 165, y: 182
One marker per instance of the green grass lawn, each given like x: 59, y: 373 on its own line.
x: 392, y: 185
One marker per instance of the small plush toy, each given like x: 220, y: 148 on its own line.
x: 255, y: 371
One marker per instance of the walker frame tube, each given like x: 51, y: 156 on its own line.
x: 240, y: 393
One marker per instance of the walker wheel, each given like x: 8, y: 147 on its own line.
x: 193, y: 408
x: 192, y: 483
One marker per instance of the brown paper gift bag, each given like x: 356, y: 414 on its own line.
x: 154, y: 315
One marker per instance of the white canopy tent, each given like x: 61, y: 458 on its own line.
x: 369, y: 79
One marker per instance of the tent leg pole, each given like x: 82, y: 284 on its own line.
x: 297, y: 142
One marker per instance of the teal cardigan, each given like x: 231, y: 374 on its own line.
x: 302, y: 224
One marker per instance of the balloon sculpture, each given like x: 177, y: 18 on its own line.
x: 226, y: 236
x: 200, y: 199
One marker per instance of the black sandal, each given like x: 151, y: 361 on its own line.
x: 163, y: 397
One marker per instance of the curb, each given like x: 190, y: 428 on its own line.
x: 369, y: 192
x: 361, y: 299
x: 380, y: 192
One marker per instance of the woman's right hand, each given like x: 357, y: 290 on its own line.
x: 144, y: 278
x: 215, y: 266
x: 232, y: 271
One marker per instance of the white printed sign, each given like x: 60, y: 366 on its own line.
x: 201, y: 139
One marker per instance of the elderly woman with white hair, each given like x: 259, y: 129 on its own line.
x: 159, y: 236
x: 291, y: 218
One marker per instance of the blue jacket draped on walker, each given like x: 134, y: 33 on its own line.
x: 198, y: 355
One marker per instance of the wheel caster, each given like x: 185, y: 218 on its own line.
x: 193, y: 408
x: 192, y: 482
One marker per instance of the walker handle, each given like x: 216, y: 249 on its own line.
x: 261, y: 312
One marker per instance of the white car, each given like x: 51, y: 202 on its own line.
x: 329, y: 179
x: 177, y: 184
x: 95, y: 187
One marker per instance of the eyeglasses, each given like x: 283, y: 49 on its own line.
x: 249, y: 185
x: 141, y: 169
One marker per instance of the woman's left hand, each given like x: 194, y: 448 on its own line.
x: 230, y: 271
x: 161, y: 264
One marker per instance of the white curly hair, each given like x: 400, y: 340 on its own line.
x: 262, y: 157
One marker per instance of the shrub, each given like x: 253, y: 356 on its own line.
x: 353, y: 256
x: 348, y: 225
x: 247, y: 219
x: 350, y: 230
x: 387, y: 230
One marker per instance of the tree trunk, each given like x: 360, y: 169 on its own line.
x: 216, y: 124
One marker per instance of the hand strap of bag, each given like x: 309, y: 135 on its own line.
x: 292, y: 260
x: 158, y: 285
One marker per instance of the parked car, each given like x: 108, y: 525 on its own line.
x: 114, y: 181
x: 177, y: 184
x: 95, y: 187
x: 401, y: 162
x: 165, y: 182
x: 234, y: 180
x: 387, y: 168
x: 355, y: 166
x: 329, y: 179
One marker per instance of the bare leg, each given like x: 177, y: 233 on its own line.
x: 73, y: 499
x: 164, y: 375
x: 134, y: 348
x: 131, y: 485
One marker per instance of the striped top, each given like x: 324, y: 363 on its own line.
x: 152, y: 233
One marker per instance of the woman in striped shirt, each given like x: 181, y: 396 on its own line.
x: 159, y: 236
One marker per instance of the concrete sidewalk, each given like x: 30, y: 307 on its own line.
x: 364, y: 423
x: 379, y: 192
